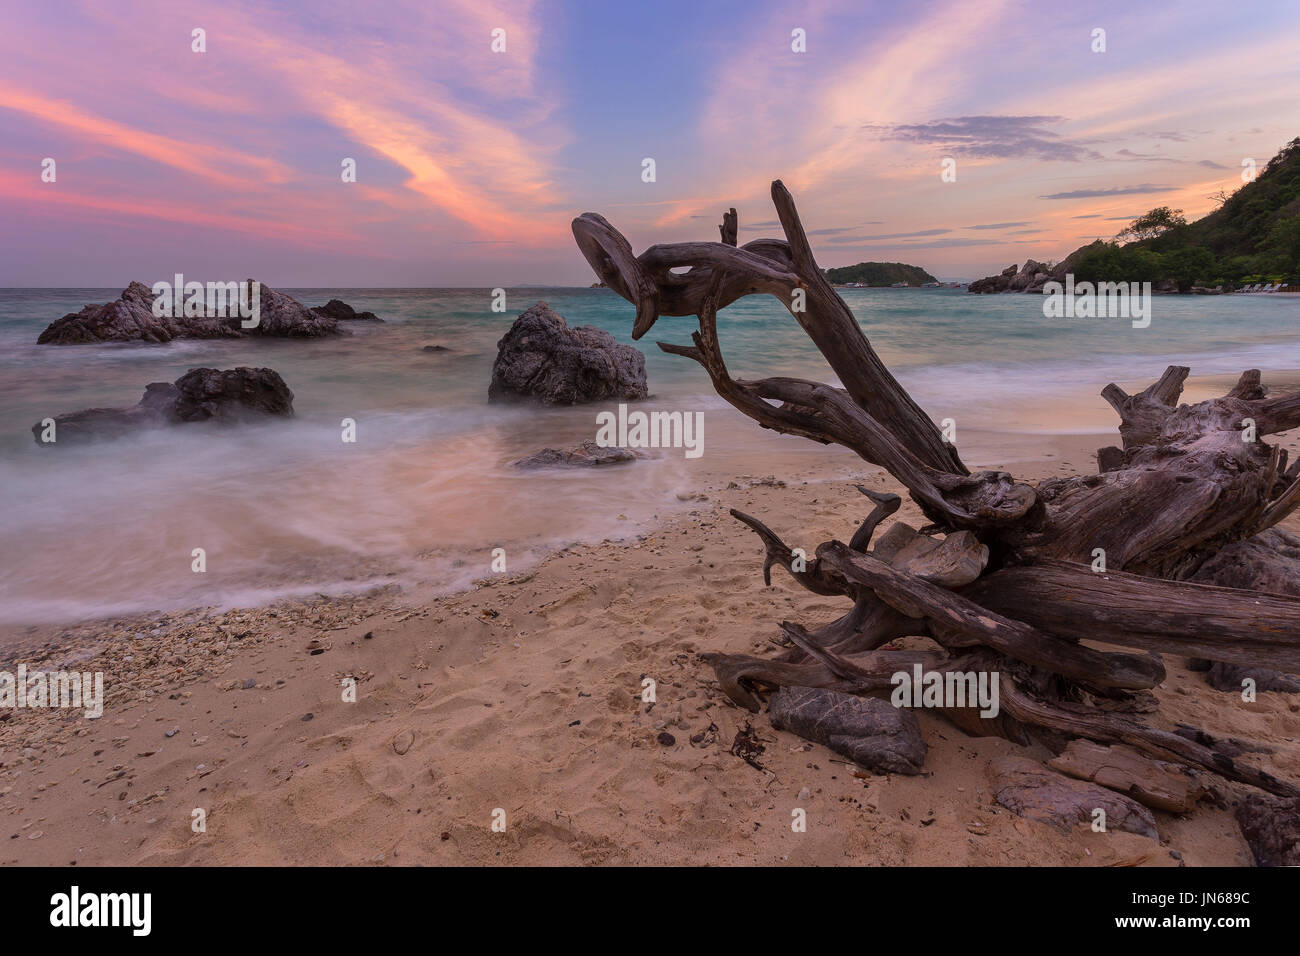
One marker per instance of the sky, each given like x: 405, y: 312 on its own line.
x: 471, y: 162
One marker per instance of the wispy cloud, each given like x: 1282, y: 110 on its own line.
x: 992, y: 137
x: 1111, y: 191
x: 893, y: 235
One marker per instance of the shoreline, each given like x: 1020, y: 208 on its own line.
x: 522, y: 693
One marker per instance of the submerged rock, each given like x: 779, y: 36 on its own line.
x: 340, y: 310
x: 586, y: 455
x: 201, y: 394
x: 130, y: 318
x: 872, y: 733
x: 542, y: 359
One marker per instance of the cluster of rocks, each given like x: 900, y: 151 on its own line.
x: 1033, y: 275
x: 201, y: 394
x: 542, y: 359
x: 131, y: 318
x: 539, y: 359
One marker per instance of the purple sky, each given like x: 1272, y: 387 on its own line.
x: 471, y: 163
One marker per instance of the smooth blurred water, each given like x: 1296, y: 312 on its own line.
x: 426, y: 492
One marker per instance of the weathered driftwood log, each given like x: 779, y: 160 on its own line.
x: 1182, y: 518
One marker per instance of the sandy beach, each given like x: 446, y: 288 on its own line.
x: 524, y: 694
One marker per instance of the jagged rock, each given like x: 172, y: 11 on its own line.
x: 997, y: 283
x: 433, y: 348
x: 541, y: 358
x: 871, y: 732
x: 201, y: 394
x: 1033, y: 275
x: 286, y: 317
x: 1028, y: 789
x: 340, y: 310
x: 1271, y: 826
x: 1029, y: 273
x: 130, y: 318
x: 586, y: 455
x: 1156, y: 783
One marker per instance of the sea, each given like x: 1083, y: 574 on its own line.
x: 426, y: 494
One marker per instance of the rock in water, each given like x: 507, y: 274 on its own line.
x: 232, y: 395
x: 201, y: 394
x: 286, y: 317
x: 872, y: 733
x: 130, y: 318
x: 1028, y: 789
x: 586, y: 455
x: 543, y: 359
x: 340, y: 310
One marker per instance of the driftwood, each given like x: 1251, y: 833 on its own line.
x: 1182, y: 516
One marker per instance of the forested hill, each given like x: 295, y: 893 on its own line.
x: 880, y: 274
x: 1253, y: 236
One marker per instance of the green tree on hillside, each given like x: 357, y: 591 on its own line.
x: 1283, y: 242
x: 1155, y: 223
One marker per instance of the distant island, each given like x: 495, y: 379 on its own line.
x: 1250, y: 243
x: 880, y: 274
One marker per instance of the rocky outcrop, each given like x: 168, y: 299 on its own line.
x: 997, y: 283
x: 544, y: 360
x: 285, y: 317
x: 130, y: 318
x: 202, y: 394
x: 340, y: 310
x: 1028, y: 789
x: 873, y: 733
x: 586, y: 455
x: 1033, y: 275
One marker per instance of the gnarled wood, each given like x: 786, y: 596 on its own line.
x: 1185, y: 506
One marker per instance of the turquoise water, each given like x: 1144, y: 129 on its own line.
x: 426, y: 492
